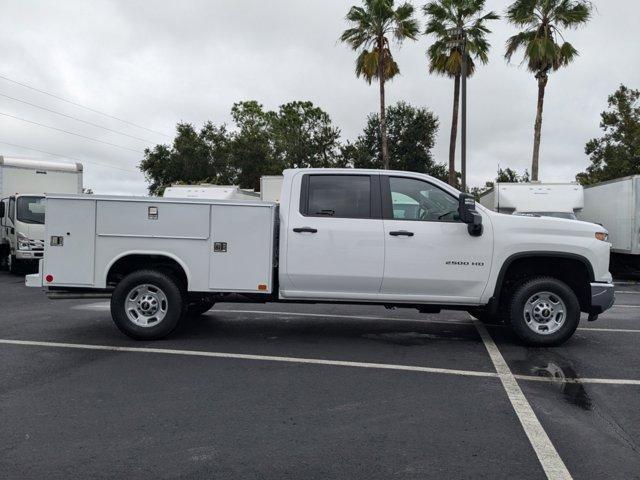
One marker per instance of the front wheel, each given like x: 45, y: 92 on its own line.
x: 147, y: 305
x: 544, y: 312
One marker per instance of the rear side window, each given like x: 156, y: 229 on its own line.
x: 338, y: 196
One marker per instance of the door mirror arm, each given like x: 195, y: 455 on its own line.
x: 469, y: 214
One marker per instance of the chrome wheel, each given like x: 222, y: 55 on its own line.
x: 146, y: 305
x: 544, y: 313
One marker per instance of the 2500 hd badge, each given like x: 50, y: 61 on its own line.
x: 464, y: 264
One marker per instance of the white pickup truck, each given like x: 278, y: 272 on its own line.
x: 398, y: 239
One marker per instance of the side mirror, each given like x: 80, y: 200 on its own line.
x: 1, y: 210
x: 469, y: 214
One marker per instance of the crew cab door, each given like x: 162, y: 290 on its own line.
x: 430, y: 255
x: 334, y: 237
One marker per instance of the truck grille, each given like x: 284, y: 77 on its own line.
x: 36, y: 245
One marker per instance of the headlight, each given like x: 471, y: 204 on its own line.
x: 23, y: 242
x: 603, y: 236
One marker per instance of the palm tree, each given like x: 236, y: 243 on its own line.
x: 543, y: 45
x: 444, y: 16
x: 371, y: 26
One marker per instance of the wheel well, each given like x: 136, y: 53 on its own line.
x: 130, y: 263
x: 571, y: 270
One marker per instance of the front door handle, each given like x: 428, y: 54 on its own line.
x: 403, y: 233
x: 305, y: 230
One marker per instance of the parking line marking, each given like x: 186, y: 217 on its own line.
x: 627, y: 291
x: 625, y: 306
x: 243, y: 356
x: 599, y: 329
x: 548, y: 456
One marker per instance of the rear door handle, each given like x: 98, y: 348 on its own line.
x: 403, y: 233
x: 305, y: 230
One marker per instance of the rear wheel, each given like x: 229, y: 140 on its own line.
x: 147, y: 305
x: 544, y: 312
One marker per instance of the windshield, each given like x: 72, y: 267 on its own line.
x: 30, y: 210
x: 568, y: 215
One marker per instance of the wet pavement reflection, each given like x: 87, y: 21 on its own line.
x: 552, y: 365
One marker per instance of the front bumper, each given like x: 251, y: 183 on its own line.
x: 29, y: 254
x: 602, y: 297
x: 34, y: 279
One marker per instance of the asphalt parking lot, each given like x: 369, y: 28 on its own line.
x: 313, y: 391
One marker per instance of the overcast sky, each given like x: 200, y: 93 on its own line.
x: 154, y: 63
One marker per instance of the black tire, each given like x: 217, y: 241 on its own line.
x: 559, y: 291
x: 200, y: 307
x: 173, y: 311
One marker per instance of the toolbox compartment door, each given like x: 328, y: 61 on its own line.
x: 242, y: 239
x: 72, y: 221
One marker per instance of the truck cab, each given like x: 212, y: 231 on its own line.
x: 22, y: 227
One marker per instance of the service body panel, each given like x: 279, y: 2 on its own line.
x: 210, y: 240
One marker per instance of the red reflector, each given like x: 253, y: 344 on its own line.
x: 49, y: 278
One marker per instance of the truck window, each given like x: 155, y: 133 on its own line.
x: 338, y: 196
x: 12, y: 208
x: 30, y: 210
x: 413, y: 199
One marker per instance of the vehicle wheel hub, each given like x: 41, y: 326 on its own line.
x: 544, y: 313
x: 146, y: 305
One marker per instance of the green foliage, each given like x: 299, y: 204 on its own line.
x: 194, y: 157
x: 411, y: 133
x: 371, y: 26
x: 541, y: 40
x: 511, y: 176
x: 444, y: 15
x: 617, y: 153
x: 262, y: 143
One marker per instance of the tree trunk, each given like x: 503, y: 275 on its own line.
x: 454, y: 132
x: 542, y: 83
x: 383, y: 125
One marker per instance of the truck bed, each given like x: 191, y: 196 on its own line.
x: 223, y: 246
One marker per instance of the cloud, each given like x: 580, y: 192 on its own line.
x: 157, y: 63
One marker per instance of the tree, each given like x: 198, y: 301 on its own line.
x: 262, y: 143
x: 303, y: 136
x: 298, y: 135
x: 411, y: 133
x: 511, y: 176
x: 372, y: 24
x: 251, y: 145
x: 194, y: 157
x: 543, y: 45
x: 617, y: 153
x: 445, y: 59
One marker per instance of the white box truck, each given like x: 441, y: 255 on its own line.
x: 211, y: 192
x: 338, y: 235
x: 560, y: 200
x: 23, y: 184
x: 615, y: 204
x: 270, y: 188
